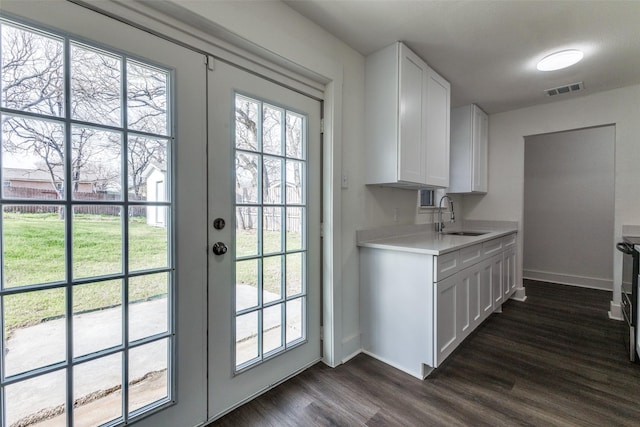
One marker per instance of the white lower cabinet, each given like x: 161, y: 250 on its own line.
x: 447, y: 306
x: 415, y: 309
x: 457, y: 301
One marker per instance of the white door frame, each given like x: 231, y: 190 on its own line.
x: 324, y: 82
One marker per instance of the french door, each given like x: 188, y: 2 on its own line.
x: 264, y: 235
x: 102, y: 219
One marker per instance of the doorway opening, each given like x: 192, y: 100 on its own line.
x: 569, y: 207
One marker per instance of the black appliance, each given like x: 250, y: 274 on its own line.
x: 629, y: 301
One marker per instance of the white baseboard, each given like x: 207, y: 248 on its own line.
x: 569, y: 279
x: 420, y: 375
x: 351, y: 356
x: 520, y: 294
x: 615, y: 311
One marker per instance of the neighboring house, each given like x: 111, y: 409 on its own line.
x: 156, y: 189
x: 38, y: 179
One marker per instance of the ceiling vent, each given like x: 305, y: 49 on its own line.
x: 573, y: 87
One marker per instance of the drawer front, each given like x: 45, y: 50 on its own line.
x: 508, y: 241
x: 491, y: 247
x: 470, y: 255
x: 446, y: 265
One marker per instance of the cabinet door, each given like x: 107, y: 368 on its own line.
x: 480, y: 147
x: 486, y: 276
x: 509, y: 273
x: 411, y: 147
x: 471, y: 279
x: 496, y: 280
x: 437, y: 129
x: 446, y: 329
x: 464, y: 316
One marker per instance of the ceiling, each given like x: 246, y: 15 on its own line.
x: 488, y: 50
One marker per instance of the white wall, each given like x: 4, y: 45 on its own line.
x: 506, y: 158
x: 568, y: 207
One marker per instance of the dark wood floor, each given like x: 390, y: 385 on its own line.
x: 554, y: 360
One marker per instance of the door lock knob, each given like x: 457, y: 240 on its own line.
x: 219, y: 248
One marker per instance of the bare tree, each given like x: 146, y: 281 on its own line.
x: 281, y: 135
x: 95, y: 86
x: 105, y: 177
x: 144, y: 152
x: 32, y: 72
x: 146, y: 99
x: 33, y: 81
x: 246, y: 162
x: 41, y: 139
x: 95, y: 158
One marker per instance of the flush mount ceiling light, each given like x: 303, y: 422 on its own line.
x: 559, y: 60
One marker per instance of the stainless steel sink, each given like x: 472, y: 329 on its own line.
x: 466, y: 233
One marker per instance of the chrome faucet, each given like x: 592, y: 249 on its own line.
x: 440, y: 223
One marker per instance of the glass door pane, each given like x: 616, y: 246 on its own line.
x: 269, y: 178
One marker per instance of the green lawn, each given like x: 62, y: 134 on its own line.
x: 34, y: 253
x: 247, y: 271
x: 34, y: 249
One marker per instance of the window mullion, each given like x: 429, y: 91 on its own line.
x: 68, y: 217
x: 125, y: 238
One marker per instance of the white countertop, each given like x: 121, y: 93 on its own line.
x: 423, y: 240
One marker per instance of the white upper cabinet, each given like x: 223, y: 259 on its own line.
x: 469, y: 150
x: 407, y: 121
x: 437, y: 129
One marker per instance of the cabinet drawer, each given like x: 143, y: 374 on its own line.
x: 508, y: 241
x: 491, y: 247
x: 446, y: 265
x: 470, y: 255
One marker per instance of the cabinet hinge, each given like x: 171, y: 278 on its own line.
x: 321, y: 333
x: 322, y: 126
x: 322, y: 229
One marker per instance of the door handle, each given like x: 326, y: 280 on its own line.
x: 219, y: 248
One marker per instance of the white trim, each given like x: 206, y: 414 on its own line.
x: 332, y: 222
x: 421, y: 375
x: 615, y: 311
x: 520, y: 294
x: 569, y: 279
x: 169, y: 20
x: 351, y: 347
x: 352, y: 355
x: 286, y: 72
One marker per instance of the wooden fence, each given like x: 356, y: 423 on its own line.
x: 247, y: 219
x: 37, y: 194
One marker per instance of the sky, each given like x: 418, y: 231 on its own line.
x: 13, y: 161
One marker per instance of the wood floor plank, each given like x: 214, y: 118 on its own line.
x: 554, y: 360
